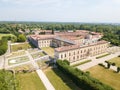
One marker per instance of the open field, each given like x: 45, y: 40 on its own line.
x: 106, y: 76
x: 1, y: 35
x: 20, y: 46
x: 29, y: 81
x: 116, y: 61
x: 49, y: 51
x: 59, y: 80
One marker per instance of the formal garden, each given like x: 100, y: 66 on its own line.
x: 37, y: 55
x: 18, y: 60
x: 43, y: 63
x: 20, y: 46
x: 49, y: 51
x: 15, y: 54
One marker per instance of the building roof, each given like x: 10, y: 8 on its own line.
x: 71, y: 47
x: 40, y: 37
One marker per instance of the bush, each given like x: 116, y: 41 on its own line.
x: 101, y: 64
x: 113, y: 64
x: 81, y: 79
x: 67, y: 62
x: 3, y: 46
x: 21, y: 38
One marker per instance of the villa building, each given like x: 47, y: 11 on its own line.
x: 72, y: 46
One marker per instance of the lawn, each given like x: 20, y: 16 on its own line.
x: 116, y: 61
x: 38, y: 55
x: 23, y: 67
x: 49, y: 51
x: 29, y: 81
x: 1, y: 35
x: 106, y: 76
x: 20, y: 46
x: 42, y: 63
x: 59, y: 80
x: 15, y: 54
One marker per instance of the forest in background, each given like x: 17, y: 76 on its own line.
x: 111, y: 31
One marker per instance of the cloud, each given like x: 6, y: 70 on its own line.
x: 31, y: 2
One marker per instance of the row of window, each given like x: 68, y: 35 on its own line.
x: 84, y: 52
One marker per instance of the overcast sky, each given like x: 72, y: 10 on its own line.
x: 60, y: 10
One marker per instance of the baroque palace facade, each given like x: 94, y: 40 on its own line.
x: 72, y: 46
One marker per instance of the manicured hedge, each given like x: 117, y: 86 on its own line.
x: 82, y: 79
x: 3, y: 46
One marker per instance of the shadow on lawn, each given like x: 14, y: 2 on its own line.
x: 66, y: 79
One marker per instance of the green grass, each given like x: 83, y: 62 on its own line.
x: 49, y: 51
x: 38, y: 55
x: 1, y: 35
x: 20, y: 46
x: 42, y: 63
x: 116, y: 61
x: 59, y: 80
x: 15, y: 54
x: 29, y: 81
x: 23, y: 67
x: 102, y: 56
x: 81, y: 63
x: 106, y: 76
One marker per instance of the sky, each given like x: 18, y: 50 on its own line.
x: 60, y: 10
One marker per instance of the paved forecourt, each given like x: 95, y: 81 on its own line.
x: 97, y: 61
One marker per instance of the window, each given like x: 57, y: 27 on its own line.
x: 65, y: 55
x: 81, y: 51
x: 61, y: 56
x: 69, y: 54
x: 78, y: 52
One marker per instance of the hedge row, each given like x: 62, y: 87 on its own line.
x: 82, y: 79
x: 3, y: 46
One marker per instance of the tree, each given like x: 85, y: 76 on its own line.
x: 52, y: 31
x: 21, y: 38
x: 118, y: 69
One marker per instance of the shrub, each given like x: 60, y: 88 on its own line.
x: 101, y: 64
